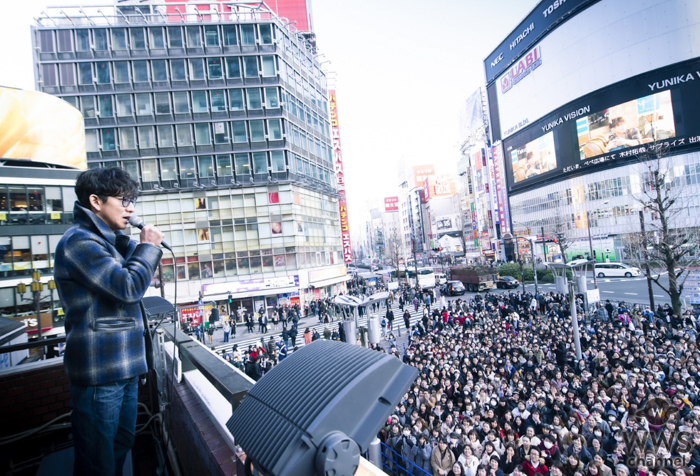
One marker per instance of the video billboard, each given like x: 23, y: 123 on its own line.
x: 41, y: 128
x: 609, y: 127
x: 572, y: 60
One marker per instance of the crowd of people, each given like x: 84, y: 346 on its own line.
x: 500, y: 390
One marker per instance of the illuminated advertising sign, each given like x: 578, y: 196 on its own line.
x: 41, y: 128
x: 340, y: 176
x: 499, y: 172
x: 439, y: 186
x: 421, y: 172
x: 531, y: 60
x: 610, y: 127
x: 391, y: 204
x: 546, y: 15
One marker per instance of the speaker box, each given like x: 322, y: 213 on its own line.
x: 319, y: 409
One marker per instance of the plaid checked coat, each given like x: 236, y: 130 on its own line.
x: 101, y: 276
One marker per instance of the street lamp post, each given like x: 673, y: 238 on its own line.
x: 590, y: 246
x: 36, y: 288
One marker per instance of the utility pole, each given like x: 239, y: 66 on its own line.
x: 590, y: 245
x: 534, y: 268
x: 544, y: 245
x: 574, y: 321
x: 646, y: 260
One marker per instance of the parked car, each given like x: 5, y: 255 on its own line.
x: 453, y: 288
x: 603, y: 270
x: 507, y: 282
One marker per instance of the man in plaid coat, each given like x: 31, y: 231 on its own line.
x: 101, y: 276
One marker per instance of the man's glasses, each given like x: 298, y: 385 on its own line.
x: 126, y: 201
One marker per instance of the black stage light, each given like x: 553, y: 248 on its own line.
x: 319, y: 409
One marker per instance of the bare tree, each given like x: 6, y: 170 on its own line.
x: 392, y: 246
x: 670, y: 235
x: 560, y: 227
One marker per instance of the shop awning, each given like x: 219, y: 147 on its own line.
x: 328, y: 282
x: 260, y: 292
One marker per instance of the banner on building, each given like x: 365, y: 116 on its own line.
x: 340, y: 176
x: 391, y: 204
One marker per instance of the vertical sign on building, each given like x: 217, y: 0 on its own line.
x: 340, y: 176
x: 499, y: 172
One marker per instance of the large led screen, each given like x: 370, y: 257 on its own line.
x: 609, y: 127
x: 534, y: 158
x: 629, y: 124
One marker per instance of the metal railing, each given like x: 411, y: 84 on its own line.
x: 395, y: 464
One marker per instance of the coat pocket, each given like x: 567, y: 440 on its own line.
x: 113, y: 324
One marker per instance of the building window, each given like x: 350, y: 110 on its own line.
x: 168, y: 169
x: 268, y: 65
x: 233, y: 67
x: 271, y: 98
x: 48, y: 75
x: 84, y: 73
x: 248, y: 35
x: 277, y: 157
x: 127, y: 138
x: 223, y: 165
x: 238, y: 131
x: 199, y: 102
x: 187, y: 170
x: 124, y: 105
x: 108, y: 142
x: 87, y: 106
x: 211, y: 35
x: 132, y: 168
x: 201, y: 132
x: 260, y: 162
x: 218, y: 103
x: 157, y: 37
x: 181, y: 102
x: 91, y: 141
x: 257, y: 131
x: 149, y: 168
x: 175, y: 37
x: 146, y: 137
x: 67, y: 74
x: 121, y: 72
x: 162, y: 101
x: 274, y: 127
x: 138, y: 39
x: 214, y: 68
x: 160, y: 70
x: 220, y: 133
x: 82, y: 40
x: 242, y: 164
x: 118, y: 39
x: 140, y: 71
x: 194, y: 37
x: 102, y: 72
x: 46, y: 41
x: 100, y: 37
x: 235, y: 99
x: 250, y: 66
x: 165, y: 136
x: 184, y: 135
x: 105, y: 107
x: 197, y: 68
x: 230, y: 35
x: 206, y: 166
x: 254, y: 100
x: 65, y: 43
x: 265, y: 34
x: 177, y: 70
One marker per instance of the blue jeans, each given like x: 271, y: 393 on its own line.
x: 104, y: 426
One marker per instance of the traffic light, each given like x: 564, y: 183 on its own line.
x: 230, y: 299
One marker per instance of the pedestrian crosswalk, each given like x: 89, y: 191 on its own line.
x: 245, y: 339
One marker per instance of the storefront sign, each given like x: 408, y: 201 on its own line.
x: 391, y: 204
x: 327, y: 273
x: 340, y: 175
x: 250, y: 285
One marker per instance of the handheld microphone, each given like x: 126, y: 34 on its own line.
x: 137, y: 221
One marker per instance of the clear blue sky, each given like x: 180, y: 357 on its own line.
x: 403, y: 69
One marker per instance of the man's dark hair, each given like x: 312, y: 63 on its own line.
x: 105, y: 182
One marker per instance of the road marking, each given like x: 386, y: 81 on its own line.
x: 631, y: 294
x: 609, y: 292
x: 656, y: 295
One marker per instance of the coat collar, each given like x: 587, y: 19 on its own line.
x: 87, y: 218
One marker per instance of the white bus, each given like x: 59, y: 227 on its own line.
x: 426, y: 277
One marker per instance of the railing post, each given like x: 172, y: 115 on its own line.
x: 375, y: 453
